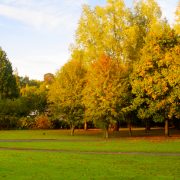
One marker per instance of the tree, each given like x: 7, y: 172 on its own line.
x: 8, y: 85
x: 155, y: 78
x: 104, y: 92
x: 65, y: 94
x: 118, y: 33
x: 11, y: 111
x: 114, y: 30
x: 36, y: 97
x: 144, y: 14
x: 101, y: 30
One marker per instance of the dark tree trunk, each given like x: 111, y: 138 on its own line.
x: 116, y: 126
x: 166, y: 127
x: 130, y: 128
x: 148, y: 126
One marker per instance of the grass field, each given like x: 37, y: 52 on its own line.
x: 85, y: 156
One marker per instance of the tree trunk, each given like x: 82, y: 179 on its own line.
x: 130, y: 128
x: 72, y: 130
x: 116, y: 126
x: 148, y: 127
x: 85, y: 125
x: 106, y: 135
x: 166, y: 127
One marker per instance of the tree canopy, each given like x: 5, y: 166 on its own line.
x: 155, y: 78
x: 65, y: 94
x: 8, y: 85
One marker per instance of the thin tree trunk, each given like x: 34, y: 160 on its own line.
x: 85, y: 125
x: 148, y: 127
x: 72, y: 130
x: 106, y: 135
x: 166, y: 127
x: 116, y: 127
x: 130, y: 128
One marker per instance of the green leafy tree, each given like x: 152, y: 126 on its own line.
x: 8, y: 85
x: 65, y: 94
x: 11, y: 111
x: 36, y: 97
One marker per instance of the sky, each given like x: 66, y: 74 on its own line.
x: 36, y: 34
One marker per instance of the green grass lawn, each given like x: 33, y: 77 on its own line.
x: 63, y: 165
x: 107, y: 146
x: 46, y: 165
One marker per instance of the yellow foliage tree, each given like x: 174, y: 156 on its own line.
x: 156, y: 77
x: 105, y: 91
x: 65, y: 94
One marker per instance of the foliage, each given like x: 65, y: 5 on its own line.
x: 65, y: 94
x: 105, y: 91
x: 8, y: 86
x: 11, y: 111
x: 36, y: 96
x: 114, y: 30
x: 25, y: 81
x: 101, y: 30
x: 26, y: 123
x: 156, y: 77
x: 8, y: 122
x: 59, y: 124
x: 143, y: 15
x: 42, y: 122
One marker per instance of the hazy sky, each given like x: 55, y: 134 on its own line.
x: 36, y: 34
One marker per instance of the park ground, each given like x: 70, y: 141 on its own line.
x: 54, y: 154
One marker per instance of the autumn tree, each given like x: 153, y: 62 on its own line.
x: 143, y: 15
x: 104, y: 92
x: 101, y: 30
x: 117, y: 32
x: 65, y: 94
x: 8, y: 85
x: 156, y: 77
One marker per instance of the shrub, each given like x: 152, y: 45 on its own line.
x: 59, y: 124
x: 8, y: 122
x: 26, y: 123
x: 42, y: 122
